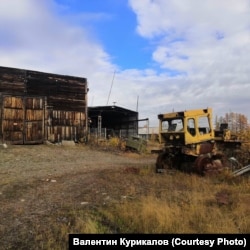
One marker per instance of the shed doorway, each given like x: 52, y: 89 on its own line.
x: 22, y: 120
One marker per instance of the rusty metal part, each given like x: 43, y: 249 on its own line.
x: 163, y: 161
x: 205, y: 165
x: 201, y: 163
x: 243, y: 171
x: 205, y: 148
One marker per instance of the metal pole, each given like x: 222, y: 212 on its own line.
x: 99, y: 126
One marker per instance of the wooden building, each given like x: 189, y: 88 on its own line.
x: 37, y: 106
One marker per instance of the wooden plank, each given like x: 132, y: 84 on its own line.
x: 34, y: 120
x: 13, y: 114
x: 12, y: 80
x: 34, y: 115
x: 33, y: 132
x: 13, y: 102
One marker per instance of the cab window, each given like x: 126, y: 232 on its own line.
x: 191, y: 126
x: 203, y: 125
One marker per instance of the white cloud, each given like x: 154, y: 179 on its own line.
x: 36, y: 36
x: 202, y: 48
x: 178, y: 17
x: 208, y: 43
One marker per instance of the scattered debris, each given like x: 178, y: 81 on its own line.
x: 49, y: 180
x: 243, y: 171
x: 84, y: 203
x: 68, y: 143
x: 136, y: 143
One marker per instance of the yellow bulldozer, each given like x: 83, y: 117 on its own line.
x: 190, y: 143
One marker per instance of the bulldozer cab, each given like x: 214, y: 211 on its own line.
x: 186, y: 127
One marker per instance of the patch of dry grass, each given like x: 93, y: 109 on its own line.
x: 96, y: 193
x: 186, y: 204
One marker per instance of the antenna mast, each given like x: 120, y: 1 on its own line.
x: 137, y: 103
x: 111, y: 87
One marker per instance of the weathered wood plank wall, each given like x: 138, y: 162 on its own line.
x: 37, y: 106
x: 12, y: 80
x: 22, y: 119
x: 62, y: 92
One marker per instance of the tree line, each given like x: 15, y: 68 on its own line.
x: 237, y: 123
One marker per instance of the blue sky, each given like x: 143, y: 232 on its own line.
x: 113, y: 23
x: 168, y: 54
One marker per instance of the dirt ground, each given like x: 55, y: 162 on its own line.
x: 39, y: 184
x: 36, y: 180
x: 42, y: 162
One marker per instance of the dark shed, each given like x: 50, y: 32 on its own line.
x: 112, y: 121
x: 37, y: 106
